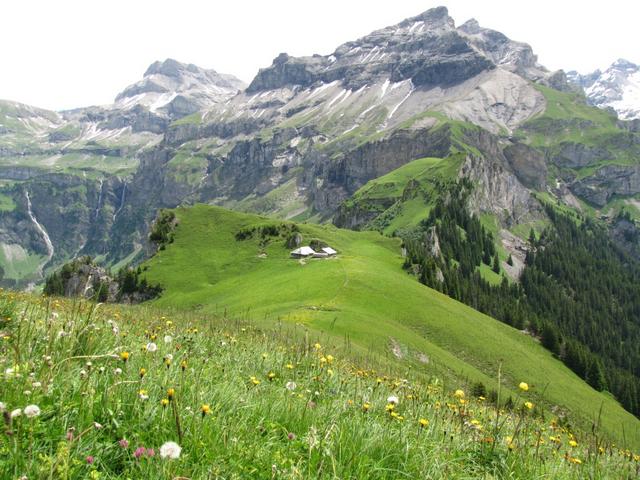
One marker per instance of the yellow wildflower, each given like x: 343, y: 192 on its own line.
x: 523, y: 386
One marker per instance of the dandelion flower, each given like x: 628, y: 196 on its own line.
x: 124, y: 356
x: 529, y: 405
x: 291, y: 386
x: 523, y: 386
x: 366, y: 406
x: 168, y: 339
x: 31, y: 411
x: 393, y: 399
x: 289, y: 366
x: 423, y: 422
x: 151, y: 347
x: 171, y: 393
x: 164, y: 402
x: 205, y: 409
x: 573, y: 443
x: 143, y: 372
x: 271, y: 376
x: 459, y: 393
x: 117, y: 371
x: 16, y: 413
x: 143, y: 395
x: 170, y: 450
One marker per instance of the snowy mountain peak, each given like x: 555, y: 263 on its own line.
x: 618, y: 87
x: 175, y: 89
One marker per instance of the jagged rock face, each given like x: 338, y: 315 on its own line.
x: 498, y: 191
x: 618, y: 87
x: 426, y: 49
x: 608, y: 181
x: 528, y: 164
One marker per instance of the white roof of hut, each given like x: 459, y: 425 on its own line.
x: 329, y: 251
x: 303, y: 251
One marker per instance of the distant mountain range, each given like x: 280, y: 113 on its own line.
x: 306, y: 134
x: 618, y: 87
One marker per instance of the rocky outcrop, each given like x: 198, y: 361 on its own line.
x: 608, y: 181
x: 498, y: 191
x: 528, y: 164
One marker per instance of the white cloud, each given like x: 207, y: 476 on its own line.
x: 72, y: 53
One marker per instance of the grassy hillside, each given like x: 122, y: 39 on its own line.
x: 99, y: 392
x: 402, y: 197
x: 365, y: 298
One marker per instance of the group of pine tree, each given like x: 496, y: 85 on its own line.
x: 579, y: 293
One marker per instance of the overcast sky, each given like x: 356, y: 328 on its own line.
x: 70, y: 53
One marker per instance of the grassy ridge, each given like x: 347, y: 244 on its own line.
x: 98, y: 392
x: 366, y: 297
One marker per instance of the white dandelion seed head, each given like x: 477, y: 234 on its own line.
x: 16, y: 413
x: 32, y: 411
x: 168, y: 356
x: 170, y: 450
x: 291, y: 386
x: 393, y: 399
x: 151, y: 347
x: 117, y: 371
x: 168, y: 339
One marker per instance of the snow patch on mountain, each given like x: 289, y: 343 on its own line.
x: 618, y: 87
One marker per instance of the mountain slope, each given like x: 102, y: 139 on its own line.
x: 362, y: 295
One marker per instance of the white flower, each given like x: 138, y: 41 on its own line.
x: 170, y: 450
x: 3, y: 407
x: 62, y: 334
x: 97, y: 425
x: 143, y: 396
x: 393, y: 399
x: 16, y: 413
x: 32, y: 411
x: 36, y: 384
x: 27, y: 393
x: 83, y: 373
x: 291, y: 386
x: 117, y: 371
x: 168, y: 339
x: 151, y: 347
x: 169, y: 357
